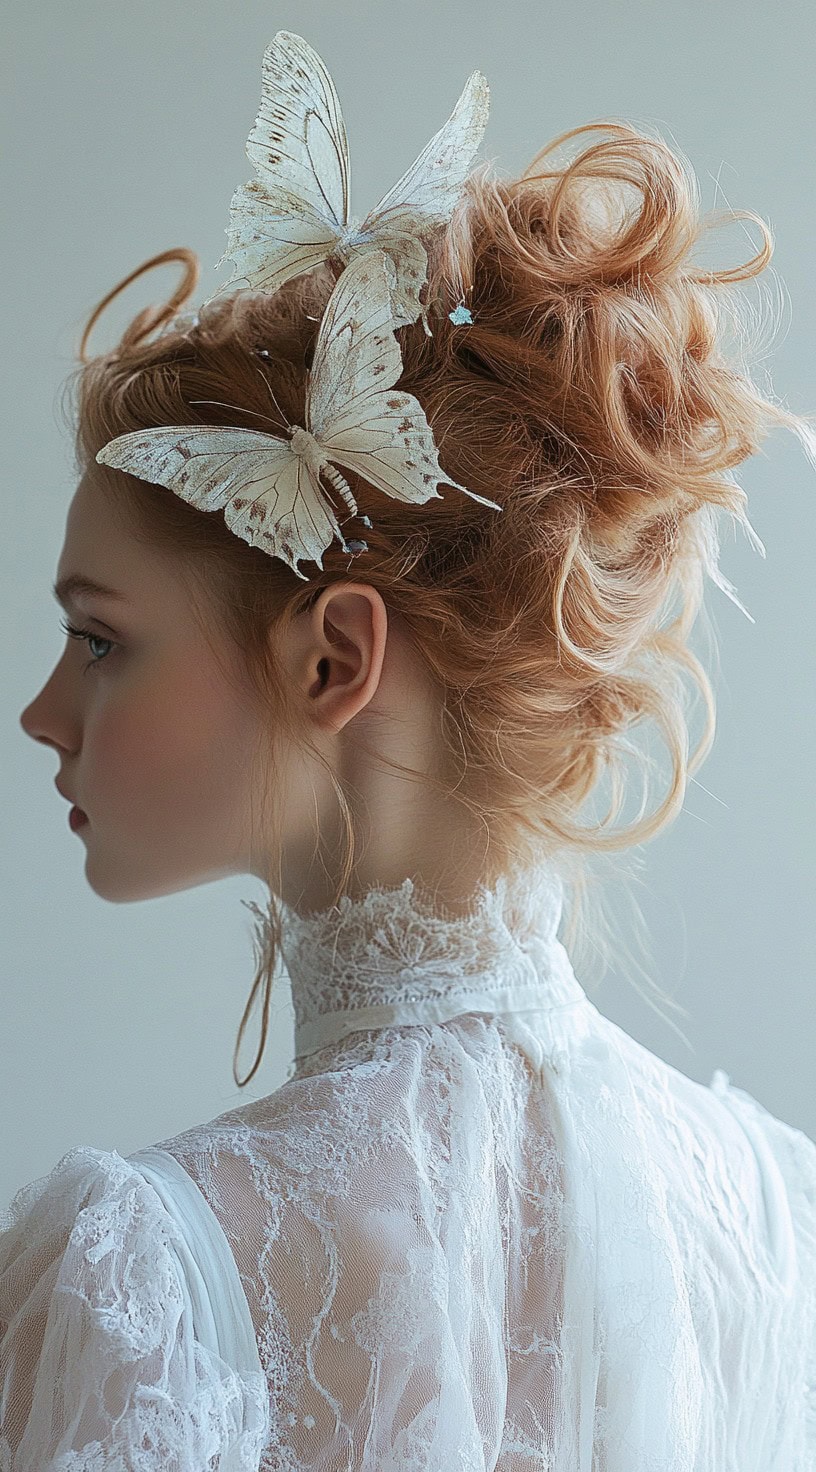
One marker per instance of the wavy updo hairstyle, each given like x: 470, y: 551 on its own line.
x: 600, y: 396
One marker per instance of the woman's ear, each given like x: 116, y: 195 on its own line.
x: 338, y: 652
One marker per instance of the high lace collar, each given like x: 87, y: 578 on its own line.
x: 396, y: 955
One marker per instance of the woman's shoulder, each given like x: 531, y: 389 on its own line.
x: 718, y: 1113
x: 291, y: 1129
x: 53, y: 1202
x: 754, y: 1165
x: 787, y: 1155
x: 102, y: 1271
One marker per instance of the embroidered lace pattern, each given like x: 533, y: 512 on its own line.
x: 479, y: 1227
x: 396, y: 956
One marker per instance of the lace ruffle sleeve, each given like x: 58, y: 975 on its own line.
x: 113, y: 1353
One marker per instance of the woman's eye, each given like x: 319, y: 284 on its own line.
x: 88, y: 635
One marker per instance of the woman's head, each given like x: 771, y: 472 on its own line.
x: 592, y: 397
x: 169, y: 748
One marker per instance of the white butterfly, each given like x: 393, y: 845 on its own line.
x: 269, y: 487
x: 296, y: 213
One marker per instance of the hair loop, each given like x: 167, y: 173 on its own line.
x: 152, y: 317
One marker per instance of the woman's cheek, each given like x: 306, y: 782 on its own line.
x: 171, y: 745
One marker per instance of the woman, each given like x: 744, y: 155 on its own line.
x: 480, y: 1226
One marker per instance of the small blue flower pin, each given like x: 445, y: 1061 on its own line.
x: 460, y: 314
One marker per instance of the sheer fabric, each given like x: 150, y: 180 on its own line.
x: 113, y: 1354
x: 478, y: 1227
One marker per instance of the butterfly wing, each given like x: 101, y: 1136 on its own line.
x: 356, y: 350
x: 353, y: 410
x: 290, y: 217
x: 269, y: 495
x: 425, y: 196
x: 269, y: 248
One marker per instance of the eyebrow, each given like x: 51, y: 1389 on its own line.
x: 66, y: 588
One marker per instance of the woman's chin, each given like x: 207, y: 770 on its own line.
x: 120, y: 888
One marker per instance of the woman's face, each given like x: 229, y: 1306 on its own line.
x: 154, y: 742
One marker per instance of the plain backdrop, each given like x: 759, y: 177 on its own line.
x: 124, y: 128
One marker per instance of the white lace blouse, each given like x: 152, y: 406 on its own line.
x: 479, y: 1227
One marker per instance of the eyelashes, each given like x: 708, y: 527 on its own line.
x: 87, y: 634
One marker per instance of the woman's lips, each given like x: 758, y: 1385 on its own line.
x: 77, y: 818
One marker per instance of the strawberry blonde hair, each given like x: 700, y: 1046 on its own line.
x: 592, y: 397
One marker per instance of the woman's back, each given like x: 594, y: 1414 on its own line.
x: 479, y: 1227
x: 503, y: 1239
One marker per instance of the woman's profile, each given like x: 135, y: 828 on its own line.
x: 377, y: 561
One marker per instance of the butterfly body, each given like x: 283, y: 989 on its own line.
x: 351, y: 236
x: 304, y: 444
x: 315, y: 458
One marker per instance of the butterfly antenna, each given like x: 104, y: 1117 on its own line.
x: 238, y: 409
x: 272, y: 397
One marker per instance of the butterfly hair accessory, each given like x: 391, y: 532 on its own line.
x: 275, y: 490
x: 269, y: 486
x: 295, y: 213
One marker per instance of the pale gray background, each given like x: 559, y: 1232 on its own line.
x: 124, y: 134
